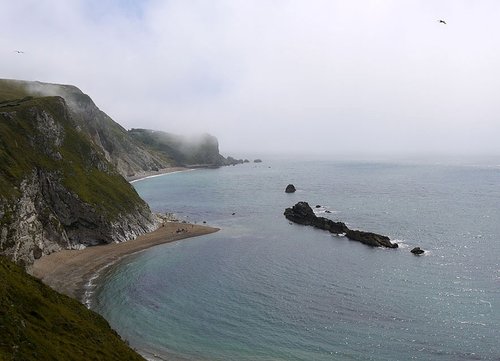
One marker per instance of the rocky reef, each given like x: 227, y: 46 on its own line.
x: 302, y: 213
x: 290, y: 188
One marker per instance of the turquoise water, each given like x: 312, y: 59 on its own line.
x: 265, y: 289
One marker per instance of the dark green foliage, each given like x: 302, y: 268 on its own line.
x: 37, y: 323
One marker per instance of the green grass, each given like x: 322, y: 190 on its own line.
x: 83, y: 169
x: 37, y: 323
x: 12, y: 89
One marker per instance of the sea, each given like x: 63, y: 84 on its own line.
x: 264, y: 289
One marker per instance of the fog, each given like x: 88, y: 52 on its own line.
x: 366, y: 78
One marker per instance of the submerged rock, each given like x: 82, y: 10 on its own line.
x: 290, y: 188
x: 417, y: 251
x: 302, y: 213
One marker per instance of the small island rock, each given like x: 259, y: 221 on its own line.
x: 302, y: 213
x: 290, y: 188
x: 417, y: 251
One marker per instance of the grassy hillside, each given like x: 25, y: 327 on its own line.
x: 37, y: 323
x: 26, y: 144
x: 57, y: 188
x: 122, y: 150
x: 201, y: 150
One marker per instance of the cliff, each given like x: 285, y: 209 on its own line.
x: 202, y: 150
x: 37, y: 323
x: 127, y: 155
x: 133, y: 152
x: 57, y: 188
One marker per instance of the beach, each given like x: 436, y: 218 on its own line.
x: 69, y: 271
x: 150, y: 174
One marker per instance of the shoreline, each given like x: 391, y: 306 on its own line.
x: 72, y: 271
x: 152, y: 174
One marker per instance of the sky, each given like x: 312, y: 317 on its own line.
x: 324, y: 77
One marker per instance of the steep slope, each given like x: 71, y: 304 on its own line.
x: 195, y: 151
x: 57, y: 190
x: 128, y: 156
x: 132, y: 153
x: 37, y: 323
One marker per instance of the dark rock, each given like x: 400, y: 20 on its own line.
x: 290, y: 188
x: 318, y: 206
x: 327, y: 211
x: 417, y: 250
x: 370, y: 239
x: 302, y: 213
x: 37, y: 252
x: 232, y: 161
x: 257, y: 161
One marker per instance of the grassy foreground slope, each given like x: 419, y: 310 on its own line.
x: 37, y: 323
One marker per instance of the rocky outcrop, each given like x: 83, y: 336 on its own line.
x: 417, y: 251
x: 290, y: 188
x: 302, y: 213
x: 57, y: 190
x: 232, y: 161
x: 370, y: 239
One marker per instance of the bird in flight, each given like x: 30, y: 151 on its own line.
x: 19, y: 51
x: 442, y: 21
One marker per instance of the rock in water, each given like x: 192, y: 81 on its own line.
x: 417, y: 251
x: 290, y: 188
x: 302, y: 213
x: 370, y: 239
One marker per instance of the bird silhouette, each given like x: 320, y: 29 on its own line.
x: 442, y: 21
x: 19, y: 51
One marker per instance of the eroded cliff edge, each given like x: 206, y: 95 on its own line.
x: 57, y: 188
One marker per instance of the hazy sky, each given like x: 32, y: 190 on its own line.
x: 322, y: 76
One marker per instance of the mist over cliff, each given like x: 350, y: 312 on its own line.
x: 63, y: 164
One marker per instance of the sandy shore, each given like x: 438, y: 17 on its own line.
x: 69, y: 271
x: 149, y: 174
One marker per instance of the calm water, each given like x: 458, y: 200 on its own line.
x: 264, y: 289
